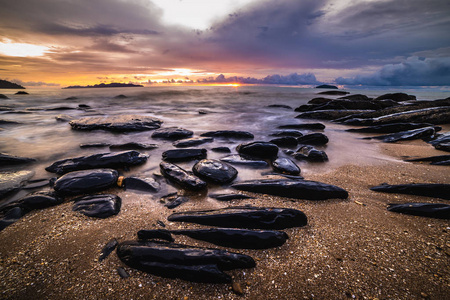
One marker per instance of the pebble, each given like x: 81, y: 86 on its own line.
x: 237, y: 288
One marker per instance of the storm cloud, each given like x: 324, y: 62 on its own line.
x: 291, y: 79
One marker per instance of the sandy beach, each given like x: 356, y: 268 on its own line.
x: 351, y: 248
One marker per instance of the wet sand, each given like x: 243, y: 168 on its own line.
x: 351, y: 248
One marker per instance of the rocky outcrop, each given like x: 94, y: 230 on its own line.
x: 122, y: 123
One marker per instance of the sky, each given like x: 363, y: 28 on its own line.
x: 284, y: 42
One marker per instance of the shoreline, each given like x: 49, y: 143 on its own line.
x: 351, y: 248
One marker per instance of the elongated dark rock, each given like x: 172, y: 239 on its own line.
x: 94, y: 145
x: 221, y: 149
x: 172, y: 133
x: 162, y: 234
x: 37, y: 183
x: 11, y: 181
x: 10, y: 216
x: 299, y: 189
x: 440, y: 139
x: 406, y: 135
x: 244, y: 217
x: 173, y: 202
x: 313, y: 139
x: 180, y: 261
x: 286, y: 166
x: 215, y: 171
x: 98, y: 206
x: 397, y: 97
x: 237, y: 238
x: 34, y: 201
x: 245, y: 161
x: 430, y: 210
x: 334, y: 93
x: 122, y: 273
x: 443, y: 147
x: 122, y: 123
x: 441, y: 163
x: 229, y: 197
x: 87, y: 181
x: 177, y: 155
x: 437, y: 158
x: 392, y: 127
x: 330, y: 114
x: 9, y: 160
x: 309, y: 153
x: 102, y: 160
x: 192, y: 142
x: 179, y: 176
x: 229, y: 134
x: 107, y: 249
x: 279, y: 106
x: 145, y: 184
x: 285, y: 141
x: 258, y: 149
x: 288, y: 132
x: 303, y: 126
x: 133, y: 146
x: 437, y: 190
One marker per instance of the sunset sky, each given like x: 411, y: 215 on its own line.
x: 346, y: 42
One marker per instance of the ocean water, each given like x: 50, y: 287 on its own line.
x: 40, y: 136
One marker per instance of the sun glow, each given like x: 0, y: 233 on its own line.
x: 21, y: 49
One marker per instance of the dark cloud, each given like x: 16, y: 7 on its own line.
x: 291, y: 79
x: 415, y: 71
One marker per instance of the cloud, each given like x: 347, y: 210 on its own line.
x: 415, y: 71
x: 291, y: 79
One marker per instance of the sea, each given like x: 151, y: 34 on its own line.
x: 40, y: 136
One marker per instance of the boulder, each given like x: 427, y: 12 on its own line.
x: 179, y: 176
x: 258, y: 149
x: 229, y: 197
x: 309, y: 153
x: 98, y: 206
x: 313, y: 139
x: 34, y: 201
x: 285, y: 166
x: 172, y: 133
x: 122, y: 123
x: 356, y: 97
x: 86, y: 181
x: 215, y: 171
x: 279, y: 106
x: 94, y: 145
x: 173, y: 200
x: 178, y: 155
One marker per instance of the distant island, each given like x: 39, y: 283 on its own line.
x: 103, y: 85
x: 9, y: 85
x: 326, y: 86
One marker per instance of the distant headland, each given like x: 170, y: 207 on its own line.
x: 103, y: 85
x: 9, y: 85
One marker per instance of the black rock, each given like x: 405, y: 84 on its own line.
x: 95, y: 145
x: 172, y: 133
x: 229, y: 197
x: 9, y: 160
x: 331, y: 114
x: 11, y: 181
x: 237, y: 238
x: 244, y: 160
x: 181, y: 177
x: 431, y: 210
x: 229, y: 134
x: 399, y: 97
x: 107, y: 249
x: 299, y: 189
x: 98, y: 206
x: 441, y: 163
x: 175, y: 201
x: 221, y: 149
x: 440, y: 139
x: 145, y: 184
x: 437, y: 158
x: 71, y: 98
x: 319, y: 126
x: 420, y: 189
x: 286, y: 141
x: 122, y: 123
x: 60, y: 108
x: 280, y: 106
x: 3, y: 96
x: 161, y: 234
x: 87, y: 181
x: 443, y: 147
x: 286, y: 166
x: 414, y: 134
x: 7, y: 122
x: 244, y: 217
x: 181, y: 261
x: 215, y: 171
x: 391, y: 128
x: 333, y: 93
x: 21, y: 93
x: 326, y: 86
x: 11, y: 216
x: 192, y: 142
x: 120, y: 97
x: 37, y: 183
x: 102, y: 160
x: 258, y: 149
x: 122, y: 273
x: 292, y: 132
x: 313, y: 139
x: 356, y: 97
x: 177, y: 155
x: 35, y: 201
x: 310, y: 153
x: 133, y: 146
x: 319, y: 100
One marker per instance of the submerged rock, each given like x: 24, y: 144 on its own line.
x: 109, y: 247
x: 258, y: 149
x: 179, y: 176
x: 326, y: 86
x: 406, y: 135
x: 133, y: 145
x: 334, y: 93
x: 430, y: 210
x: 286, y: 166
x: 437, y: 190
x: 331, y: 114
x: 172, y: 133
x: 9, y: 160
x: 145, y: 184
x: 286, y: 141
x: 94, y: 145
x: 279, y: 106
x: 221, y: 150
x: 122, y: 123
x: 299, y: 189
x: 102, y: 160
x: 313, y: 139
x: 160, y: 234
x: 192, y: 142
x: 173, y: 200
x: 215, y: 171
x: 86, y: 181
x: 181, y: 261
x: 309, y: 153
x: 98, y: 206
x: 229, y: 134
x: 287, y: 132
x: 237, y: 238
x: 303, y: 126
x: 244, y: 160
x: 10, y: 181
x: 244, y: 217
x: 391, y: 128
x: 178, y: 155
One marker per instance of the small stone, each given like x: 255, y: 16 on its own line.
x: 237, y: 288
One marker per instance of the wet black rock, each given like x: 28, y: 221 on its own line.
x: 229, y: 197
x: 159, y: 234
x: 107, y: 249
x: 11, y: 181
x: 391, y: 128
x: 36, y: 183
x: 181, y: 261
x: 122, y: 123
x: 420, y: 189
x: 98, y: 206
x: 356, y: 97
x: 319, y: 100
x: 192, y: 142
x: 438, y: 158
x: 102, y: 160
x: 221, y: 150
x: 318, y: 126
x: 258, y: 149
x: 133, y: 146
x: 440, y: 139
x: 122, y: 273
x: 174, y: 201
x: 9, y: 217
x: 229, y: 134
x: 285, y: 166
x: 332, y: 114
x: 141, y: 183
x: 181, y: 177
x: 245, y: 161
x: 9, y: 160
x: 60, y: 108
x: 172, y: 133
x: 279, y: 106
x: 292, y: 132
x: 177, y: 155
x: 86, y: 181
x: 286, y: 141
x: 309, y: 153
x: 313, y: 139
x: 399, y: 97
x: 414, y: 134
x: 215, y: 171
x: 334, y: 93
x: 35, y: 201
x: 244, y: 217
x: 237, y: 238
x: 95, y: 145
x: 299, y: 189
x: 443, y: 147
x: 430, y: 210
